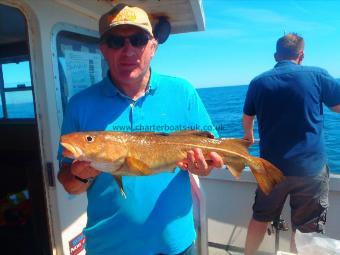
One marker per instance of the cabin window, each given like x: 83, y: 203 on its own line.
x: 80, y: 63
x: 16, y: 90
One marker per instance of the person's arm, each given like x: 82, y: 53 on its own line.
x: 77, y: 177
x: 249, y: 112
x: 330, y: 91
x: 248, y: 127
x: 335, y: 108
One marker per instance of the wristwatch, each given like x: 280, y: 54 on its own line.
x: 87, y: 180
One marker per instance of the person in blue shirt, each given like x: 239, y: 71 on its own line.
x: 156, y: 216
x: 288, y: 104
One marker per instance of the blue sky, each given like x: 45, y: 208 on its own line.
x: 239, y: 41
x: 11, y: 71
x: 240, y: 37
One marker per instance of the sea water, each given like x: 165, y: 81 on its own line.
x: 225, y: 105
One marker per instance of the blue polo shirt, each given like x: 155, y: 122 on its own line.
x: 288, y: 103
x: 156, y: 217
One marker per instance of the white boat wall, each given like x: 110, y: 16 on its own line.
x: 229, y: 209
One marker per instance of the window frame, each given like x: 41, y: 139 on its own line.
x: 3, y: 90
x: 57, y: 28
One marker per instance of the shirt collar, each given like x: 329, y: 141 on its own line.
x: 154, y: 79
x: 110, y: 89
x: 285, y: 62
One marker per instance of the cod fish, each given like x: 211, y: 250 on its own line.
x: 146, y: 153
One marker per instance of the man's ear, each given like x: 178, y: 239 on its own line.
x: 276, y: 57
x: 103, y: 48
x: 154, y: 47
x: 301, y: 57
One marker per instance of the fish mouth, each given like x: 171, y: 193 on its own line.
x: 71, y: 151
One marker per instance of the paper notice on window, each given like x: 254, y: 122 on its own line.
x: 82, y: 69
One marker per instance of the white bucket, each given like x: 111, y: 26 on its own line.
x: 316, y: 244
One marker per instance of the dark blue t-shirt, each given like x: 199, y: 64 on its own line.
x: 288, y: 103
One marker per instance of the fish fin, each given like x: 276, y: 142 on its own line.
x: 240, y: 144
x: 235, y: 168
x: 138, y: 166
x: 266, y: 174
x: 194, y: 132
x: 120, y: 185
x: 239, y: 141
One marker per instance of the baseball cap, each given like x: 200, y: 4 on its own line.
x: 123, y: 14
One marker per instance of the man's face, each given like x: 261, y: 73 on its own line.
x: 128, y: 63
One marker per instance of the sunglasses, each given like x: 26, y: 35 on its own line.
x: 118, y: 42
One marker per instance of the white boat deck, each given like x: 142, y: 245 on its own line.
x: 219, y: 251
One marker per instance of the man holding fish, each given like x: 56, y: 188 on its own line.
x: 155, y: 216
x: 139, y: 201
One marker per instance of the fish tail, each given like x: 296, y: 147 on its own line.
x: 266, y: 174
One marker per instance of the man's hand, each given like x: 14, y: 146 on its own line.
x: 249, y: 137
x: 82, y: 169
x: 336, y: 108
x: 196, y: 163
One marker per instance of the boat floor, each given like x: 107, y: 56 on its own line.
x: 219, y: 251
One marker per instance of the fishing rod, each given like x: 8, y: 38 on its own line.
x: 277, y: 225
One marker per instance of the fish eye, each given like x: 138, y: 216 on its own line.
x: 89, y: 138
